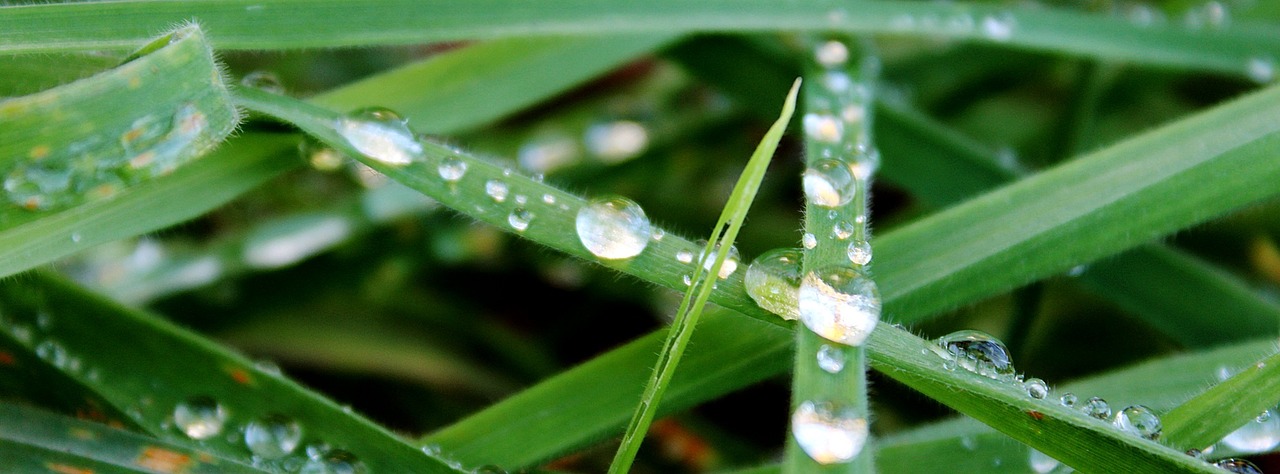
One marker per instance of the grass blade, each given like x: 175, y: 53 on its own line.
x: 1207, y: 418
x: 721, y: 241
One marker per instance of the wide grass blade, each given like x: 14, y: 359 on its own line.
x: 35, y: 440
x: 246, y: 24
x: 145, y: 367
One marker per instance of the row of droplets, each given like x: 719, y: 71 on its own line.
x: 273, y: 440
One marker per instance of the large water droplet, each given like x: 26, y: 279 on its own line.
x: 1036, y: 388
x: 773, y: 281
x: 823, y: 127
x: 828, y: 183
x: 497, y: 190
x: 829, y: 433
x: 380, y: 134
x: 859, y: 252
x: 615, y: 142
x: 519, y: 219
x: 1238, y: 466
x: 978, y: 352
x: 839, y: 304
x: 831, y: 54
x: 333, y: 461
x: 1068, y: 400
x: 273, y: 436
x: 730, y: 264
x: 1260, y: 434
x: 613, y: 227
x: 830, y: 358
x: 200, y: 417
x: 1041, y: 463
x: 1097, y: 408
x: 1139, y: 420
x: 452, y: 169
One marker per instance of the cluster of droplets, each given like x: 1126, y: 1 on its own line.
x: 35, y: 334
x: 55, y: 176
x: 274, y: 441
x: 997, y: 26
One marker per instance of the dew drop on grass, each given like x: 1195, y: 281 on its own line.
x: 998, y: 27
x: 859, y: 252
x: 1261, y: 69
x: 657, y: 234
x: 773, y: 282
x: 548, y: 199
x: 263, y: 80
x: 1068, y: 400
x: 829, y: 184
x: 497, y: 190
x: 823, y: 127
x: 380, y: 134
x: 684, y: 256
x: 273, y: 436
x: 1238, y: 466
x: 613, y: 228
x: 489, y: 469
x: 809, y: 241
x: 333, y: 461
x: 519, y: 219
x: 452, y: 169
x: 1041, y: 463
x: 831, y: 54
x: 1097, y: 408
x: 200, y: 417
x: 978, y: 352
x: 1140, y: 421
x: 842, y: 230
x: 829, y: 433
x: 52, y: 352
x: 1036, y: 388
x: 1260, y: 434
x: 618, y: 141
x: 730, y: 264
x: 548, y: 153
x: 830, y: 359
x: 293, y: 240
x: 839, y: 304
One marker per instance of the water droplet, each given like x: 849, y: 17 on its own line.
x: 52, y: 352
x: 809, y: 241
x: 548, y: 198
x: 830, y: 359
x: 1068, y: 400
x: 684, y: 256
x: 497, y: 190
x: 273, y: 436
x: 489, y: 469
x: 657, y: 234
x: 519, y: 219
x: 613, y: 228
x: 200, y: 417
x: 829, y: 433
x: 828, y: 183
x: 334, y: 461
x: 615, y: 142
x: 978, y: 352
x: 842, y: 230
x: 823, y: 127
x: 1216, y: 14
x: 773, y: 281
x: 380, y: 134
x: 521, y: 199
x: 1041, y: 463
x: 839, y: 304
x: 831, y: 54
x: 1138, y: 420
x: 1036, y: 388
x: 999, y: 27
x: 969, y: 443
x: 1238, y: 466
x: 1258, y: 435
x: 548, y: 153
x: 1097, y: 408
x: 1261, y: 69
x: 730, y: 264
x: 687, y: 279
x: 837, y: 81
x: 452, y: 169
x: 859, y: 252
x: 264, y: 80
x: 290, y: 241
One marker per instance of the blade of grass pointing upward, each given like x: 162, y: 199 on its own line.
x: 726, y: 230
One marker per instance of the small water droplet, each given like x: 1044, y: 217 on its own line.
x: 489, y: 469
x: 828, y: 432
x: 1036, y: 388
x: 999, y: 27
x: 334, y: 461
x: 823, y: 127
x: 1041, y: 463
x: 828, y: 183
x: 615, y: 142
x: 548, y: 198
x: 831, y: 54
x: 657, y: 234
x: 52, y: 352
x: 1259, y: 435
x: 1261, y: 69
x: 264, y: 80
x: 839, y: 304
x: 687, y: 279
x: 842, y: 230
x: 519, y: 219
x: 1238, y: 466
x: 969, y: 443
x: 380, y: 134
x: 1138, y: 420
x: 830, y: 359
x: 684, y: 256
x: 730, y: 264
x: 613, y: 228
x: 1216, y: 14
x: 1097, y: 408
x: 273, y: 436
x: 452, y: 169
x: 521, y: 199
x: 548, y: 153
x: 1068, y: 400
x: 809, y: 241
x: 200, y: 417
x: 773, y: 281
x: 859, y: 252
x: 497, y: 190
x: 977, y: 352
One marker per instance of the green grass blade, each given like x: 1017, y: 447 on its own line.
x: 28, y: 74
x: 145, y: 367
x: 1207, y: 418
x: 34, y: 440
x: 719, y: 245
x: 243, y: 24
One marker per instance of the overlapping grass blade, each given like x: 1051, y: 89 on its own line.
x: 245, y: 24
x: 1207, y: 418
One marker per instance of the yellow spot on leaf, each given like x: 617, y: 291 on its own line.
x: 39, y: 151
x: 1265, y: 258
x: 81, y: 433
x: 135, y: 82
x: 65, y: 469
x: 163, y: 460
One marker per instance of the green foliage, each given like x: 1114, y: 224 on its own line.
x: 166, y: 235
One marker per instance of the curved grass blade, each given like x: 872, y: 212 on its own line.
x: 721, y: 241
x: 34, y: 440
x: 245, y: 24
x: 146, y: 367
x: 71, y: 159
